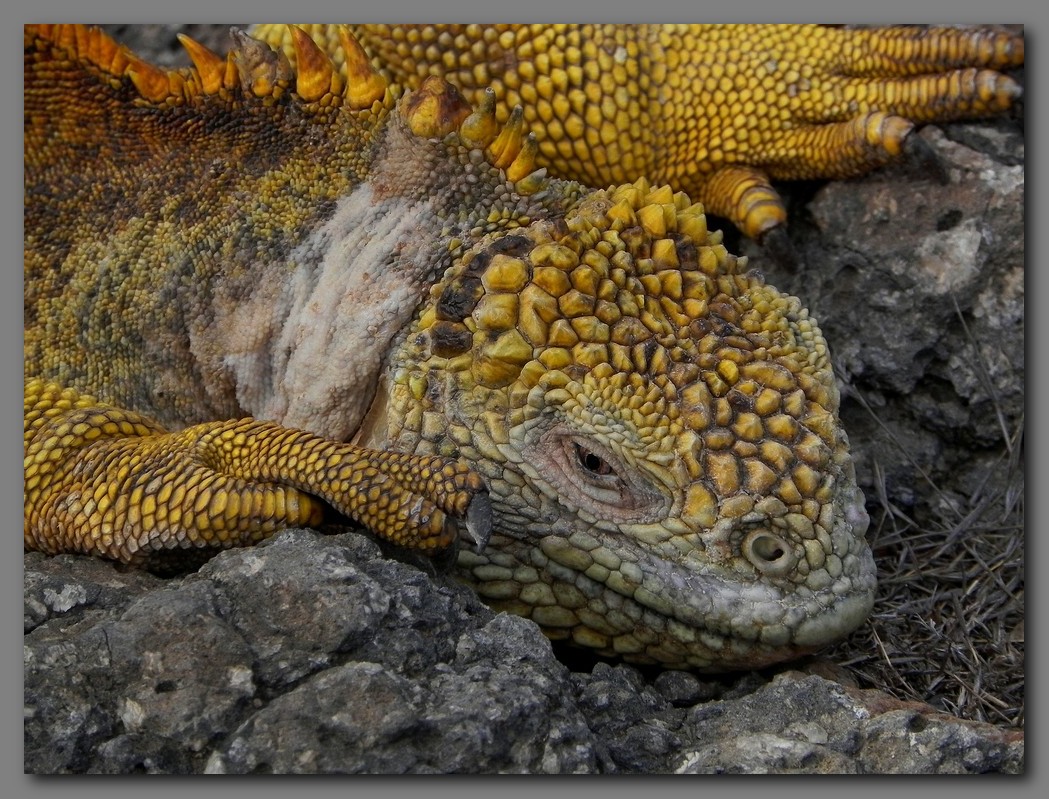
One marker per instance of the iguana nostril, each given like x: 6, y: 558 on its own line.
x: 769, y: 553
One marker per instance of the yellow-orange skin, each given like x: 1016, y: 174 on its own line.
x: 713, y: 110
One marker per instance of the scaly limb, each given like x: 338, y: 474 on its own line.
x: 713, y: 110
x: 109, y: 482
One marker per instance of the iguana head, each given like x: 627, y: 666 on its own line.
x: 658, y: 429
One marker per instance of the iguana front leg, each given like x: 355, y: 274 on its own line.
x: 717, y: 111
x: 105, y: 481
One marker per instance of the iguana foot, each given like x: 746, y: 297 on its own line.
x: 104, y: 481
x: 714, y: 110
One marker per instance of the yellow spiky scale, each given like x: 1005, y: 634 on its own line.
x: 480, y: 128
x: 495, y: 312
x: 555, y: 358
x: 531, y: 324
x: 662, y: 195
x: 499, y: 362
x: 64, y: 35
x: 524, y: 164
x: 534, y: 299
x: 211, y: 67
x: 532, y: 183
x: 507, y: 144
x: 590, y: 328
x: 805, y: 479
x: 575, y: 303
x: 629, y: 194
x: 652, y: 284
x: 562, y: 334
x: 315, y: 75
x: 505, y: 274
x: 364, y: 85
x: 653, y: 220
x: 608, y: 312
x: 550, y: 279
x: 531, y: 374
x: 91, y: 45
x: 590, y: 354
x: 671, y: 285
x: 621, y: 215
x: 585, y: 279
x: 694, y: 226
x: 664, y: 252
x: 723, y: 469
x: 150, y: 81
x: 555, y: 256
x: 510, y: 347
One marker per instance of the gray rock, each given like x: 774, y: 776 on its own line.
x: 807, y: 724
x: 52, y: 595
x: 315, y: 654
x: 683, y: 689
x: 307, y: 653
x: 918, y: 285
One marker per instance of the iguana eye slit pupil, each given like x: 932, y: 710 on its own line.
x: 591, y: 462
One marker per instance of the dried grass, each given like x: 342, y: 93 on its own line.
x: 949, y: 614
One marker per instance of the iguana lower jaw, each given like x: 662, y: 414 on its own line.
x: 658, y: 431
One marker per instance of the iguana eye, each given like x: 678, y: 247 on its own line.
x: 583, y: 473
x: 592, y: 472
x: 594, y: 464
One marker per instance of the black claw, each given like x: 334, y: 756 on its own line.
x: 781, y: 249
x: 479, y: 521
x: 920, y: 153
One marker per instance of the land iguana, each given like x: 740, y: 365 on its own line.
x: 639, y: 434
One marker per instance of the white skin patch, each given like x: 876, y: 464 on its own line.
x: 349, y: 289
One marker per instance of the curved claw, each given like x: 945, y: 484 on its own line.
x: 479, y: 521
x: 781, y: 249
x: 920, y: 152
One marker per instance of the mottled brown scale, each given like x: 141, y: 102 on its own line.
x: 93, y: 181
x: 448, y: 339
x: 459, y: 299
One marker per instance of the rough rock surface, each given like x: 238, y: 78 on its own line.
x: 316, y: 654
x: 916, y: 275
